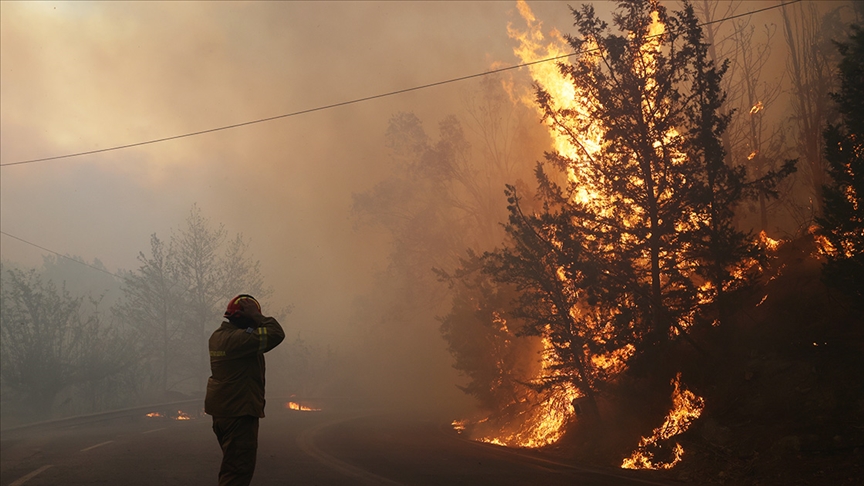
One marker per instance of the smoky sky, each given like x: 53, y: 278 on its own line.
x: 79, y: 76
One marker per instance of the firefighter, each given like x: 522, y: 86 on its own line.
x: 235, y: 391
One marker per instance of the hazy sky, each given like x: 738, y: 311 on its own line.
x: 78, y: 76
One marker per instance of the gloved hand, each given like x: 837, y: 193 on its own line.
x: 244, y: 312
x: 248, y: 311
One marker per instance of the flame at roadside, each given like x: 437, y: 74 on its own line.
x: 300, y: 408
x: 535, y: 419
x: 686, y: 408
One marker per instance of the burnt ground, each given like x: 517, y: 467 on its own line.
x: 783, y: 384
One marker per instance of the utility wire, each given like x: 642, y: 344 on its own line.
x: 62, y: 256
x: 360, y: 100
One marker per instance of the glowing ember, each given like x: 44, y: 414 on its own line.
x: 769, y: 243
x: 181, y: 415
x: 752, y: 155
x: 757, y: 108
x: 459, y: 425
x: 154, y: 414
x: 686, y: 408
x: 301, y: 408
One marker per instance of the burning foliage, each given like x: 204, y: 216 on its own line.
x: 628, y: 245
x: 843, y: 219
x: 686, y: 407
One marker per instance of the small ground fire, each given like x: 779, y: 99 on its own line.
x: 686, y: 408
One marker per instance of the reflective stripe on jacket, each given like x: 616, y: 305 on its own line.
x: 236, y: 385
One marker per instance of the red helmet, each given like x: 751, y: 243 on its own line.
x: 234, y: 304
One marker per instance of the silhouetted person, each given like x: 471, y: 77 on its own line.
x: 235, y: 391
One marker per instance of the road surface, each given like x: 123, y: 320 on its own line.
x: 295, y: 447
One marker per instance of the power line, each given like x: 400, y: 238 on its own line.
x: 359, y: 100
x: 59, y: 255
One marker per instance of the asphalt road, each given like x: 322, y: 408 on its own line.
x: 302, y: 448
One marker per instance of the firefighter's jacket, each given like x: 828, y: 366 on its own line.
x: 236, y: 387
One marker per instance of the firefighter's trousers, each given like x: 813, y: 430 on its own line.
x: 238, y: 437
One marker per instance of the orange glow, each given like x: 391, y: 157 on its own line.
x: 541, y: 418
x: 533, y: 46
x: 686, y: 408
x: 757, y: 108
x: 769, y: 244
x: 181, y: 415
x: 752, y: 155
x: 153, y: 414
x: 300, y: 408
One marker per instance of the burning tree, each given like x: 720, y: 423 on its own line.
x: 843, y: 220
x: 634, y: 242
x: 483, y: 337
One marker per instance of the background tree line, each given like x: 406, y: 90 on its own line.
x: 76, y: 339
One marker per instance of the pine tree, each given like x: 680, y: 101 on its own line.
x: 635, y: 241
x: 843, y: 221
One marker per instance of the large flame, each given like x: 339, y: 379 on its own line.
x: 686, y: 407
x: 540, y: 418
x: 534, y: 46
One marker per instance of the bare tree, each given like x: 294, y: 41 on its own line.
x: 810, y: 69
x: 152, y: 306
x: 48, y: 342
x: 210, y: 272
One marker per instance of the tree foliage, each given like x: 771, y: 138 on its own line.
x: 486, y: 340
x: 177, y: 295
x: 635, y: 240
x: 843, y: 220
x: 51, y: 341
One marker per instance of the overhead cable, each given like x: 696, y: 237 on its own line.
x: 359, y: 100
x: 62, y: 256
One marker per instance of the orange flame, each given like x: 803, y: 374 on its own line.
x: 541, y: 419
x: 756, y: 108
x: 686, y: 408
x: 153, y: 414
x: 181, y: 415
x: 301, y: 408
x: 769, y: 244
x: 565, y: 95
